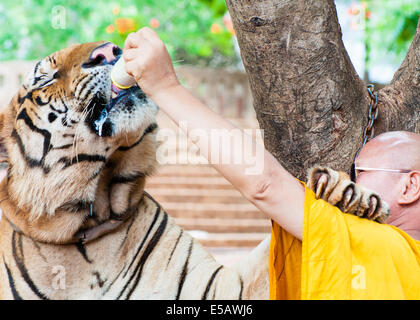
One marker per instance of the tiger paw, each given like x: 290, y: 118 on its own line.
x: 337, y: 189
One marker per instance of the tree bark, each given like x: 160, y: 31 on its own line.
x: 308, y: 98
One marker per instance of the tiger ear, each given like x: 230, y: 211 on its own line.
x: 3, y: 152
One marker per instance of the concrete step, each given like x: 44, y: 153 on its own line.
x: 228, y: 239
x: 213, y: 210
x: 221, y: 225
x: 188, y: 182
x: 200, y: 199
x: 187, y: 171
x: 244, y: 123
x: 181, y: 192
x: 164, y: 195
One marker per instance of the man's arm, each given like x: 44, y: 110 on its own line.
x: 274, y: 191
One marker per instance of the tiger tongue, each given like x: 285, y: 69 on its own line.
x: 114, y: 91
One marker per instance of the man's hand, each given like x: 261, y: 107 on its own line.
x: 148, y: 61
x: 337, y: 189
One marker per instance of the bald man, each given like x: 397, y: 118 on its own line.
x: 390, y: 165
x: 316, y: 252
x: 344, y: 257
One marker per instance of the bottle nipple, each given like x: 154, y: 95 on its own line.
x: 119, y: 77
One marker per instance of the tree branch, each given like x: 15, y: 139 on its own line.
x: 399, y: 102
x: 300, y: 71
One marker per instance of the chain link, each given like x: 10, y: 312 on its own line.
x: 369, y: 131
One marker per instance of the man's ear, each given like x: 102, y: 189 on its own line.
x: 3, y: 152
x: 411, y: 192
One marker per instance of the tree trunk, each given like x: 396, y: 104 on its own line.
x: 308, y: 98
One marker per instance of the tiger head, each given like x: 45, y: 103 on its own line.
x: 72, y: 140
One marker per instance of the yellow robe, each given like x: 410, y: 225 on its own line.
x: 342, y: 256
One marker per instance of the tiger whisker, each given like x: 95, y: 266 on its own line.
x: 77, y: 130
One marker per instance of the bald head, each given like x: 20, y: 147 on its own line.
x: 392, y: 150
x: 398, y: 150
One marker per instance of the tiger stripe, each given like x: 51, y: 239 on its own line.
x: 19, y: 260
x: 241, y: 281
x: 152, y: 243
x: 213, y: 276
x: 148, y: 130
x: 82, y: 250
x: 15, y: 293
x: 149, y: 249
x: 80, y: 158
x: 23, y: 115
x: 127, y: 178
x: 184, y: 271
x: 174, y: 248
x: 143, y: 241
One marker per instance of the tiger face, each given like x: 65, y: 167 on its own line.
x: 75, y: 84
x: 70, y: 137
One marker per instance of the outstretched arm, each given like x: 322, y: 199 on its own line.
x: 273, y: 190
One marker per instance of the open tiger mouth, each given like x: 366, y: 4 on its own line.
x: 100, y: 107
x: 118, y: 94
x: 114, y: 91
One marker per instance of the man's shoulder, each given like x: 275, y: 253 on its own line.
x: 321, y: 215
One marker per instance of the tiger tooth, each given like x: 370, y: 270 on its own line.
x: 113, y: 95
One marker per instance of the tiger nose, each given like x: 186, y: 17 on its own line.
x: 107, y: 53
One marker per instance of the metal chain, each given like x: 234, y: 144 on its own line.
x: 369, y: 131
x: 373, y: 112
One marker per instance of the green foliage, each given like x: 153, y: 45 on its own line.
x: 218, y: 7
x: 392, y: 25
x: 193, y: 30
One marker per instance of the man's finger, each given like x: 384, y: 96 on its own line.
x: 130, y: 54
x: 134, y: 40
x: 132, y: 69
x: 147, y: 33
x: 131, y: 41
x: 150, y: 35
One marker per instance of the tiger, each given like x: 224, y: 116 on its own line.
x: 77, y: 222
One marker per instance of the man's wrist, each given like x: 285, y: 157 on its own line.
x: 165, y: 92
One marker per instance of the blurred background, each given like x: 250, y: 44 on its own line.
x: 201, y: 40
x: 196, y: 32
